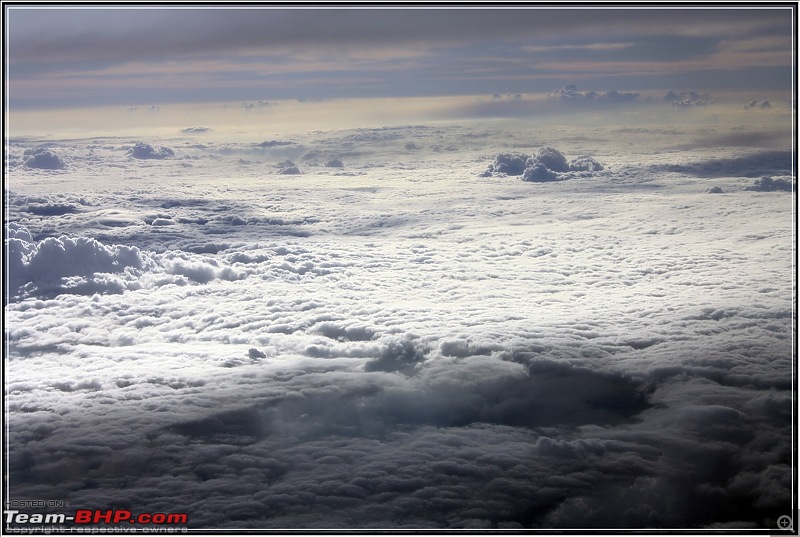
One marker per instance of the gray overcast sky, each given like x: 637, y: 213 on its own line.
x: 62, y: 56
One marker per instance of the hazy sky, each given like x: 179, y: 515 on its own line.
x: 67, y: 56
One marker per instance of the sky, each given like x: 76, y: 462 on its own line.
x: 77, y: 56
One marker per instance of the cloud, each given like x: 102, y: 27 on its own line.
x: 287, y: 167
x: 51, y: 209
x: 334, y: 163
x: 43, y: 159
x: 539, y: 173
x: 687, y: 99
x: 585, y: 163
x: 86, y: 266
x: 552, y: 159
x: 570, y: 93
x: 401, y: 356
x: 146, y: 151
x: 752, y: 164
x: 762, y: 105
x: 768, y: 184
x: 64, y: 264
x: 508, y: 164
x: 196, y: 130
x: 275, y: 143
x: 406, y: 349
x: 548, y: 164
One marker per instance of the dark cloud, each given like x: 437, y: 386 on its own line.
x: 539, y: 173
x: 401, y: 356
x: 740, y: 137
x: 257, y: 105
x: 508, y: 164
x: 552, y: 159
x: 51, y: 209
x: 471, y: 443
x: 754, y: 164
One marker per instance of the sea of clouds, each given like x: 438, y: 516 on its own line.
x: 448, y: 326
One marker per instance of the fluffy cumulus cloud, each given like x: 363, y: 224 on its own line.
x: 769, y: 184
x: 146, y: 151
x: 409, y: 348
x: 43, y: 159
x: 548, y: 164
x: 507, y: 164
x: 85, y: 266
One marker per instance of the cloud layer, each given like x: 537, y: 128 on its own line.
x: 399, y: 343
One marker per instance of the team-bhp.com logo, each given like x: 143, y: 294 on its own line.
x: 94, y: 516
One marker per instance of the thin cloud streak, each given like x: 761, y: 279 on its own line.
x: 592, y: 46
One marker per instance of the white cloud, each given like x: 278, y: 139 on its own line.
x: 86, y: 266
x: 768, y: 184
x: 146, y: 151
x: 43, y: 159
